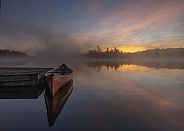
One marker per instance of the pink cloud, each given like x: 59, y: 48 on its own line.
x: 126, y: 24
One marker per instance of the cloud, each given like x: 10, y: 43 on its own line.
x: 37, y: 41
x: 39, y: 28
x: 140, y: 22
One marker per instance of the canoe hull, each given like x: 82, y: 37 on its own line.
x: 58, y: 77
x: 57, y: 81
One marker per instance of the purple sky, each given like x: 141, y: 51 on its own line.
x: 60, y: 26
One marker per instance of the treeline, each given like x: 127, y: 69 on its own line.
x: 10, y: 53
x: 117, y: 54
x: 98, y: 53
x: 160, y: 53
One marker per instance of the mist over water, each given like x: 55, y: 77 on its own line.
x: 92, y: 63
x: 13, y: 61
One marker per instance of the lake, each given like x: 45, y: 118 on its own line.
x: 106, y: 95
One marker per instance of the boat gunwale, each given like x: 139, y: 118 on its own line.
x: 58, y: 74
x: 54, y: 72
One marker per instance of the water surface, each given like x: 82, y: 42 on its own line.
x: 113, y: 95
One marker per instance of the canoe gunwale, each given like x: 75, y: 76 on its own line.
x: 58, y: 77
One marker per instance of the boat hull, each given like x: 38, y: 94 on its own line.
x: 58, y: 77
x: 55, y: 82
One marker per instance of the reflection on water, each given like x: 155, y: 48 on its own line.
x: 21, y: 92
x: 30, y: 85
x: 135, y: 98
x: 55, y: 104
x: 146, y: 96
x: 116, y: 64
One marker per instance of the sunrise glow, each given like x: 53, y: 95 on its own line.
x: 55, y: 27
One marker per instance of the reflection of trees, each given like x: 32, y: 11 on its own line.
x: 98, y: 64
x: 115, y: 64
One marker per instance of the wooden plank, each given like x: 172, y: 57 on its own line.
x: 18, y: 71
x: 20, y: 77
x: 22, y: 88
x: 21, y: 74
x: 19, y: 83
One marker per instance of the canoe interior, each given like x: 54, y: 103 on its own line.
x: 61, y: 70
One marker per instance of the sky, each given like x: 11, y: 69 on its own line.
x: 70, y: 27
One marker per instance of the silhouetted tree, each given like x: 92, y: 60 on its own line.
x: 7, y: 52
x: 153, y: 53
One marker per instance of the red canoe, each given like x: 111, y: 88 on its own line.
x: 58, y: 77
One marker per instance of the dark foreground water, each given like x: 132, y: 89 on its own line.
x: 107, y: 95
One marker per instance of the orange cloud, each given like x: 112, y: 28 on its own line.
x: 141, y: 23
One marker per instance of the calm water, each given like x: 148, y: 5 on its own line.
x: 111, y: 95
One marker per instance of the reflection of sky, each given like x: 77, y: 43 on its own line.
x: 131, y: 98
x: 23, y: 114
x: 139, y: 99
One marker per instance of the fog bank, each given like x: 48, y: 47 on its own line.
x: 37, y: 41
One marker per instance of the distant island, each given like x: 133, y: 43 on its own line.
x: 12, y: 53
x: 152, y: 53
